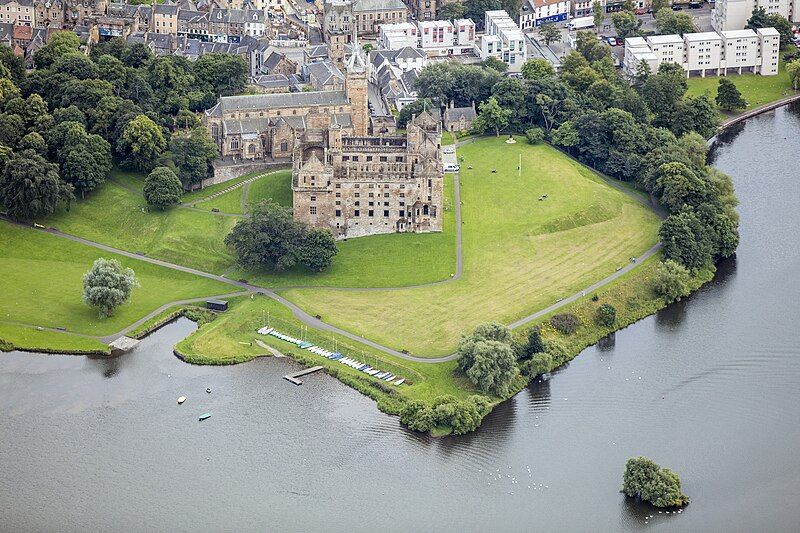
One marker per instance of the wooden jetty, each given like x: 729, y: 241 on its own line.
x: 293, y: 377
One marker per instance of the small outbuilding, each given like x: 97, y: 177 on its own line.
x: 217, y: 305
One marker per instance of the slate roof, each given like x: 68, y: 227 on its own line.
x: 324, y: 71
x: 280, y: 100
x: 378, y: 5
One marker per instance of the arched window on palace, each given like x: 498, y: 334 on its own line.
x: 251, y: 149
x: 235, y: 143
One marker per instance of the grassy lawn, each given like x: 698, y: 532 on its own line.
x: 230, y: 202
x: 390, y: 260
x: 14, y: 336
x: 756, y: 90
x: 277, y: 187
x: 41, y: 284
x: 229, y: 339
x: 199, y: 194
x: 520, y: 254
x: 118, y: 217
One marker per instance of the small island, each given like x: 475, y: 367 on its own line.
x: 646, y: 480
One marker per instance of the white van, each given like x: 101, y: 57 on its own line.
x: 451, y: 168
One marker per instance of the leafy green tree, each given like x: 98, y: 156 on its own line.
x: 658, y: 5
x: 511, y: 7
x: 534, y: 135
x: 414, y: 109
x: 192, y: 153
x: 33, y: 141
x: 672, y: 281
x: 12, y: 128
x: 664, y: 91
x: 142, y: 143
x: 695, y: 114
x: 626, y: 24
x: 668, y: 22
x: 678, y: 185
x: 728, y: 96
x: 537, y: 69
x: 549, y: 33
x: 491, y: 117
x: 76, y: 66
x: 648, y: 481
x: 61, y: 43
x: 14, y: 63
x: 590, y: 47
x: 494, y: 64
x: 642, y: 74
x: 30, y: 186
x: 758, y: 19
x: 487, y: 358
x: 418, y: 416
x: 533, y: 344
x: 686, y: 239
x: 565, y: 136
x: 223, y: 74
x: 475, y: 9
x: 69, y: 114
x: 268, y: 239
x: 540, y: 363
x: 452, y: 11
x: 162, y: 188
x: 107, y: 285
x: 784, y: 27
x: 318, y: 250
x: 598, y: 14
x: 606, y: 315
x: 793, y: 69
x: 82, y: 169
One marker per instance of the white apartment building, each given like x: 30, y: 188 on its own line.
x: 704, y: 53
x: 397, y: 36
x: 503, y: 40
x: 733, y: 14
x: 434, y: 37
x: 533, y: 13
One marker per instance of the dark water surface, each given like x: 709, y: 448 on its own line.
x: 708, y: 387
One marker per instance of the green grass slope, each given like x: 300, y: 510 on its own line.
x: 520, y: 254
x: 41, y: 283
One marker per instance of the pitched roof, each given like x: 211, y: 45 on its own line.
x: 324, y: 71
x: 281, y: 100
x: 378, y: 5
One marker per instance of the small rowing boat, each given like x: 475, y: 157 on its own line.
x: 204, y: 416
x: 181, y: 400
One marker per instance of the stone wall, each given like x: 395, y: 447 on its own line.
x: 228, y: 171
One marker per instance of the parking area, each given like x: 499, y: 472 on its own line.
x: 449, y: 159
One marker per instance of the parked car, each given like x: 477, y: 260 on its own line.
x: 449, y: 150
x: 612, y: 41
x: 695, y: 5
x: 641, y: 11
x: 676, y: 7
x: 451, y: 168
x: 620, y: 41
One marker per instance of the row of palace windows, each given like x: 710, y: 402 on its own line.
x: 371, y: 212
x: 382, y: 158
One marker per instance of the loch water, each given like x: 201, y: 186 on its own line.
x: 708, y: 387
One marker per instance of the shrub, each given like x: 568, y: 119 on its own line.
x: 645, y: 479
x: 606, y: 315
x: 540, y: 363
x: 559, y: 353
x: 672, y: 281
x: 535, y: 135
x: 566, y: 323
x: 418, y: 416
x: 533, y: 344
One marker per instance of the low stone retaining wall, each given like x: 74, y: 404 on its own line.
x: 227, y: 172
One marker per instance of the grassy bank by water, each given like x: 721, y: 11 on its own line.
x: 42, y: 284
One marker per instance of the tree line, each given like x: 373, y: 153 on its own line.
x: 64, y: 124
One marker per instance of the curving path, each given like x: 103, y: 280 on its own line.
x: 309, y: 320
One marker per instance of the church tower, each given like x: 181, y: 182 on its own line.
x: 355, y: 85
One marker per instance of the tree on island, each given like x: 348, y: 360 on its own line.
x: 271, y: 238
x: 107, y: 285
x: 728, y: 96
x: 549, y: 34
x: 487, y: 358
x: 162, y: 188
x: 31, y: 187
x: 646, y: 480
x: 491, y: 117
